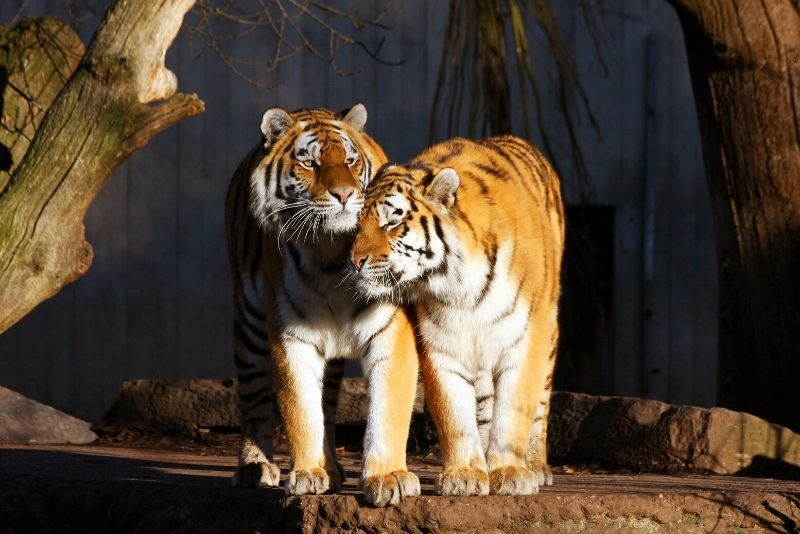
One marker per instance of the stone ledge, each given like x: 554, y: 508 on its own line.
x: 107, y: 489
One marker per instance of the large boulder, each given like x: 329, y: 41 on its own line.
x: 170, y: 406
x: 25, y: 421
x: 648, y: 434
x: 183, y: 405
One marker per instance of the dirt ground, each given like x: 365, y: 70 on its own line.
x: 157, y: 484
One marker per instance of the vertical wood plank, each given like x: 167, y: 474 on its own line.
x: 626, y: 375
x: 658, y: 184
x: 683, y: 259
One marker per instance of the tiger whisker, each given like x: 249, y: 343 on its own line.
x: 298, y: 227
x: 308, y: 213
x: 292, y: 220
x: 286, y: 207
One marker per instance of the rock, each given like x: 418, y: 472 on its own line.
x: 627, y: 432
x: 23, y: 420
x: 649, y: 434
x: 182, y: 405
x: 171, y: 406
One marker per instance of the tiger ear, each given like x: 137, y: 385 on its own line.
x: 274, y: 122
x: 356, y: 116
x: 442, y: 188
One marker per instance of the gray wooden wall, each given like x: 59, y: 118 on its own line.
x: 155, y: 302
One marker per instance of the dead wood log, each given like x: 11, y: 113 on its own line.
x: 103, y: 114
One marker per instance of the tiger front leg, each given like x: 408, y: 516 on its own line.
x: 451, y: 398
x: 519, y: 388
x: 300, y: 370
x: 391, y: 369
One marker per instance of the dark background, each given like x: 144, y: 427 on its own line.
x: 640, y: 305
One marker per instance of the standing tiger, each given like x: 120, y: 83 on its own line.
x: 291, y: 212
x: 473, y: 234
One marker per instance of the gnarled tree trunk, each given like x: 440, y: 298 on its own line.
x: 745, y: 64
x: 102, y: 115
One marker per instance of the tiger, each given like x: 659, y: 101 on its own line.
x: 291, y: 210
x: 471, y: 234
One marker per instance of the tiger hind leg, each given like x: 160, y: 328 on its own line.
x: 536, y: 456
x: 256, y: 388
x: 522, y: 397
x: 331, y: 385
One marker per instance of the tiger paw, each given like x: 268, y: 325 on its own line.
x: 544, y: 476
x: 390, y: 488
x: 512, y: 480
x: 313, y: 481
x: 463, y: 481
x: 257, y: 475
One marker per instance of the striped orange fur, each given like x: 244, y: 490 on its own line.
x: 472, y: 234
x: 291, y: 211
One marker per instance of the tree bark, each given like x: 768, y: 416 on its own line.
x: 744, y: 59
x: 101, y: 116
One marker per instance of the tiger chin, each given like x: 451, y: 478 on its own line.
x: 291, y: 212
x: 472, y: 234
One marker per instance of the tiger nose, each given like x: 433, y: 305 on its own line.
x: 358, y: 263
x: 342, y: 194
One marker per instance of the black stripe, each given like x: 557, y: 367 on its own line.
x: 458, y: 374
x: 241, y: 336
x: 298, y: 264
x: 423, y: 221
x: 252, y: 310
x: 437, y: 225
x: 491, y: 171
x: 246, y: 378
x: 381, y: 330
x: 483, y: 398
x: 278, y: 162
x: 491, y: 255
x: 256, y: 330
x: 510, y: 309
x: 241, y: 364
x: 454, y: 149
x: 358, y: 310
x: 250, y: 396
x: 295, y: 337
x: 292, y: 304
x: 498, y: 372
x: 461, y: 214
x: 481, y: 185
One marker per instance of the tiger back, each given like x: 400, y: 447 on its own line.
x: 291, y: 210
x: 472, y: 233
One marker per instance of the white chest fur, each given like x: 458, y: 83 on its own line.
x: 321, y: 308
x: 478, y: 316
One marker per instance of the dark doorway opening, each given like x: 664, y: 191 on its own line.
x: 586, y: 311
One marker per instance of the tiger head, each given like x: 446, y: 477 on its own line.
x: 314, y: 171
x: 401, y: 242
